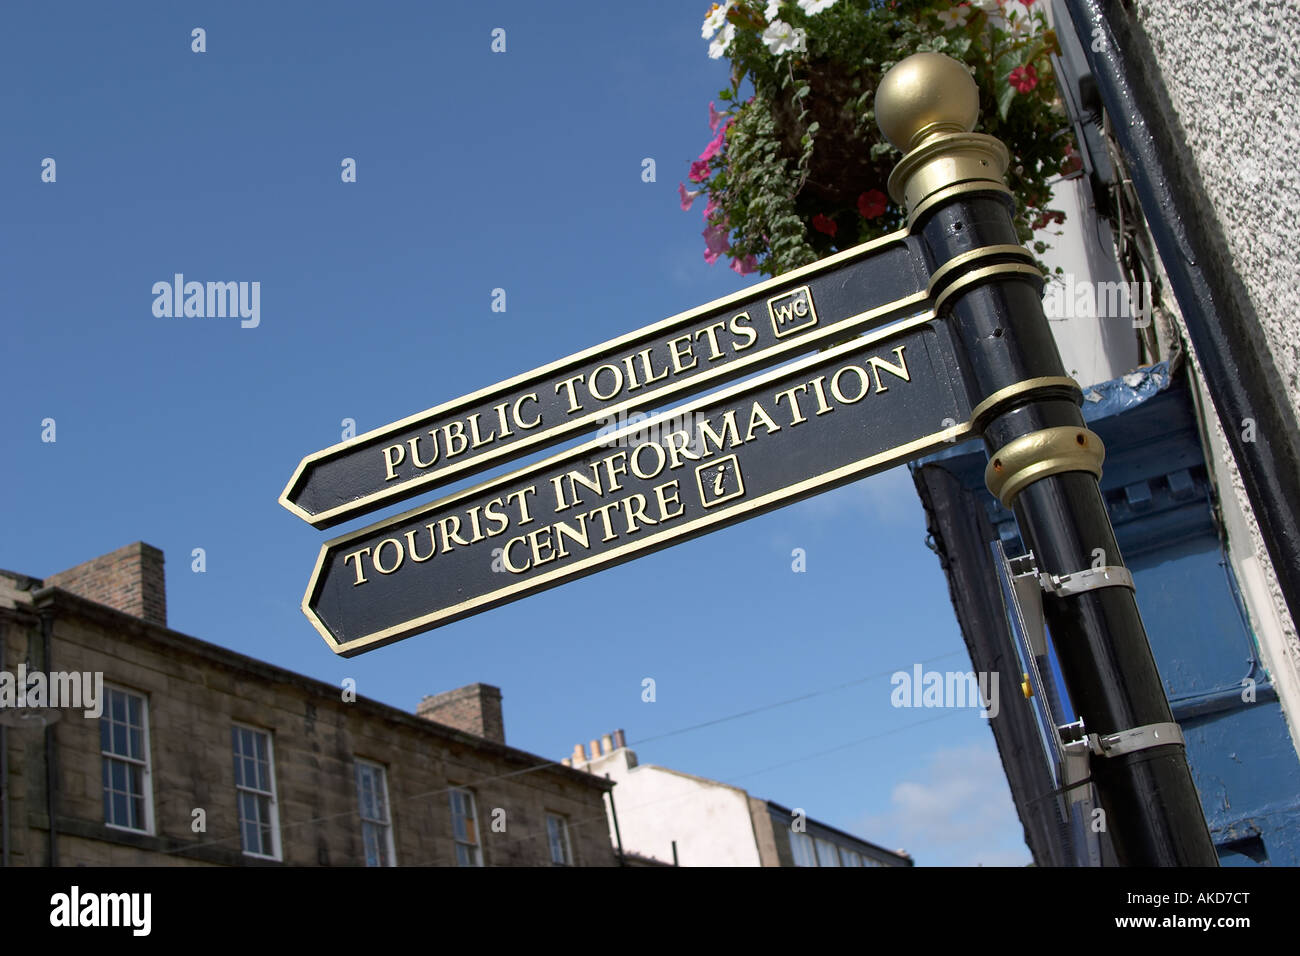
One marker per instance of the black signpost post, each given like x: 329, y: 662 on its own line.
x: 956, y: 345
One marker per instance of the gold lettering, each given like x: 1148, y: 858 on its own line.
x: 742, y: 329
x: 864, y: 384
x: 522, y: 495
x: 390, y: 462
x: 650, y: 377
x: 678, y: 442
x: 611, y: 473
x: 797, y: 416
x: 478, y: 441
x: 455, y: 430
x: 822, y: 405
x: 595, y: 376
x: 899, y: 370
x: 535, y: 543
x: 677, y: 356
x: 641, y: 473
x: 505, y: 431
x: 711, y: 331
x: 603, y: 513
x: 634, y: 508
x: 505, y: 556
x: 531, y: 396
x: 758, y: 416
x: 415, y: 450
x: 497, y: 515
x: 576, y: 478
x: 661, y: 492
x: 580, y: 536
x: 454, y: 535
x: 379, y: 550
x: 410, y: 545
x: 567, y: 384
x: 361, y: 577
x: 473, y: 521
x: 728, y: 429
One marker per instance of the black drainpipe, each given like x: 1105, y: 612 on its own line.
x: 1221, y: 322
x: 47, y: 639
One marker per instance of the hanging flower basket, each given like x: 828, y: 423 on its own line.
x: 796, y: 168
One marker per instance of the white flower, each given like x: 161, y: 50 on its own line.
x: 813, y: 7
x: 713, y: 22
x: 780, y: 37
x: 773, y: 8
x: 722, y: 41
x: 954, y: 17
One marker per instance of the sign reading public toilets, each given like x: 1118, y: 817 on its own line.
x: 828, y: 419
x: 772, y: 322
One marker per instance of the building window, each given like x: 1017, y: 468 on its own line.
x: 802, y: 846
x: 376, y: 825
x: 557, y: 834
x: 826, y: 853
x: 124, y: 746
x: 850, y: 857
x: 259, y: 822
x: 464, y: 826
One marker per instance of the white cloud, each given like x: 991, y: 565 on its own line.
x: 959, y: 813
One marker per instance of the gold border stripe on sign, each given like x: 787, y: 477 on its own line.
x: 863, y: 320
x: 900, y: 453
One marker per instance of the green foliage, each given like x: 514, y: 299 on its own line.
x: 802, y: 169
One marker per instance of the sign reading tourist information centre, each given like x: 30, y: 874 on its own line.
x: 828, y: 419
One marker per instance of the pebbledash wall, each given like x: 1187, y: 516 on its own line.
x: 194, y: 693
x: 1230, y: 72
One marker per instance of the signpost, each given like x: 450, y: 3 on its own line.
x: 777, y: 320
x: 967, y: 352
x: 852, y: 411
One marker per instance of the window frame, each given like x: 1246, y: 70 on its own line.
x: 374, y: 767
x: 567, y: 848
x: 146, y: 764
x: 277, y: 846
x: 475, y: 848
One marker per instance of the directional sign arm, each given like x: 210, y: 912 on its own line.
x: 826, y: 420
x: 769, y: 323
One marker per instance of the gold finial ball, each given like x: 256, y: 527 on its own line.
x: 923, y: 94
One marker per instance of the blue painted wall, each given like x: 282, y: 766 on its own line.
x: 1161, y: 502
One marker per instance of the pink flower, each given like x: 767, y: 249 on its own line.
x: 872, y: 204
x: 715, y: 237
x: 714, y: 117
x: 1023, y: 78
x: 744, y: 266
x: 688, y: 197
x: 715, y: 144
x: 699, y: 171
x: 823, y: 224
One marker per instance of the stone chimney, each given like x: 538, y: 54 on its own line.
x: 475, y: 709
x: 129, y: 579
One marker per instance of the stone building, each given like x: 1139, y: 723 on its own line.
x: 123, y: 742
x: 672, y: 817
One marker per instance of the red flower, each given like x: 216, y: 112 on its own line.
x: 823, y: 224
x: 699, y: 171
x: 872, y: 204
x: 1023, y: 78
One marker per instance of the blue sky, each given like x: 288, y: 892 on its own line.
x: 475, y: 171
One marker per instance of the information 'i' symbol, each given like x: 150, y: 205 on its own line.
x: 718, y: 479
